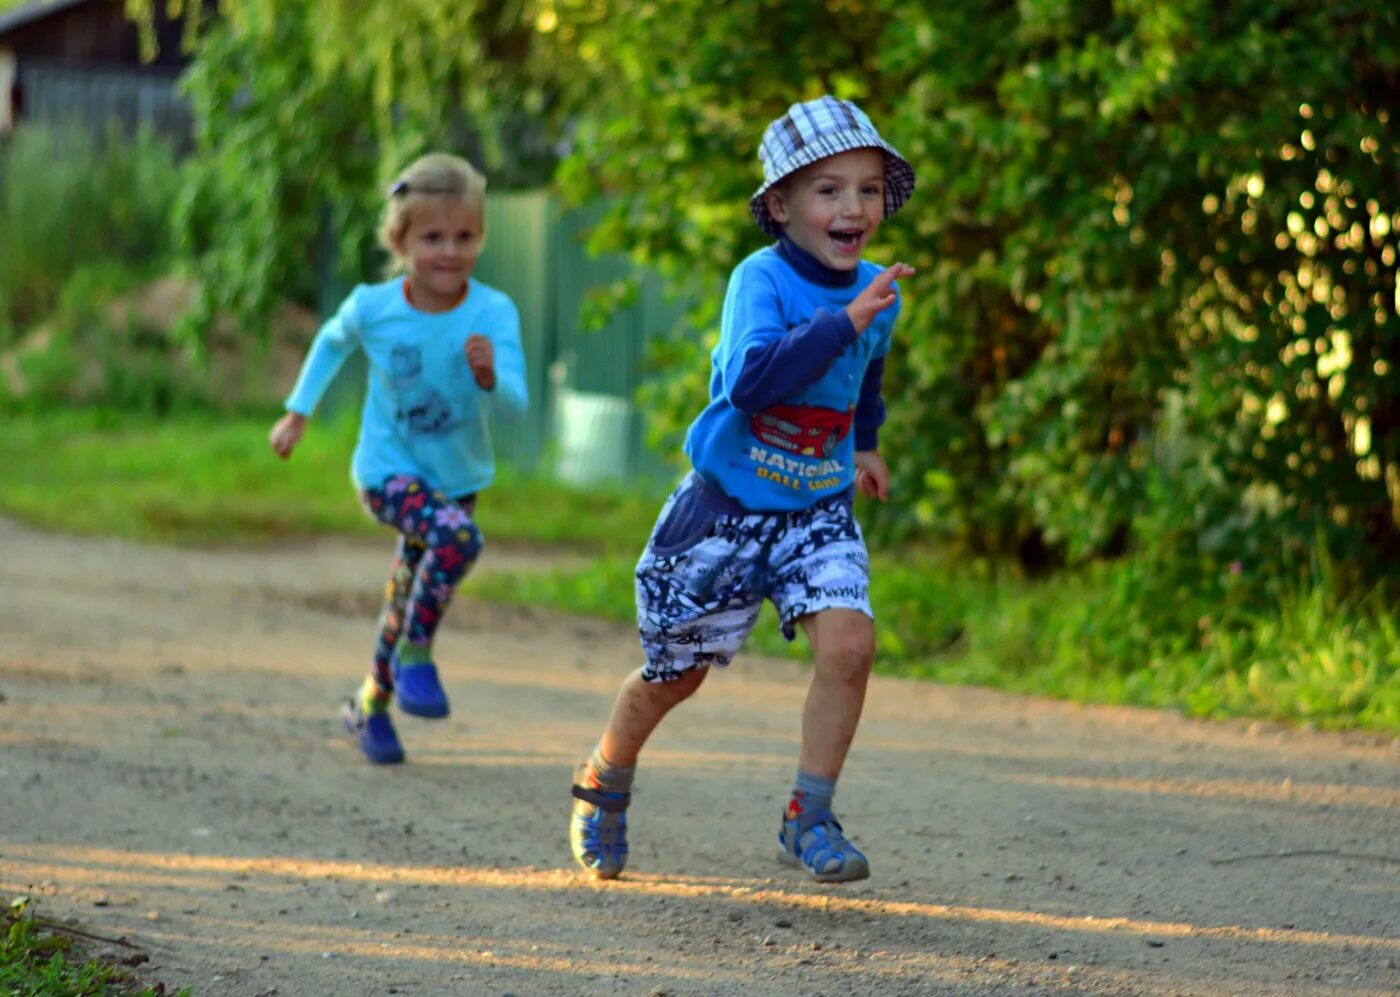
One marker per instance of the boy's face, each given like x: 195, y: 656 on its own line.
x: 832, y: 207
x: 441, y: 244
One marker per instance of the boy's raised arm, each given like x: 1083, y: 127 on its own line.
x: 765, y: 362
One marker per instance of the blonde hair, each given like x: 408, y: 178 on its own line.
x: 438, y: 174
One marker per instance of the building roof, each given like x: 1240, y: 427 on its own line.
x: 28, y: 13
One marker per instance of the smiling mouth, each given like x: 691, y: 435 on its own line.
x: 846, y: 238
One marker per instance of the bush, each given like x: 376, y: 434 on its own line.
x: 68, y: 199
x: 112, y: 340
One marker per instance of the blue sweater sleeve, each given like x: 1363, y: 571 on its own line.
x: 337, y: 338
x: 761, y: 361
x: 510, y: 396
x: 870, y: 408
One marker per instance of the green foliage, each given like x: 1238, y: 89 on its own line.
x: 36, y: 960
x: 68, y: 200
x: 1120, y: 208
x: 306, y: 110
x: 276, y: 145
x: 87, y: 352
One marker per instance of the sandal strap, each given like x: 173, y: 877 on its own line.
x: 611, y: 802
x: 825, y: 841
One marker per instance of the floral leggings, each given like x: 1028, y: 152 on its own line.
x: 438, y: 543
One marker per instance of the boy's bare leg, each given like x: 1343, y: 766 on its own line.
x: 639, y: 707
x: 843, y: 649
x: 603, y: 781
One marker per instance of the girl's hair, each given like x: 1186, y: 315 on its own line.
x: 437, y: 174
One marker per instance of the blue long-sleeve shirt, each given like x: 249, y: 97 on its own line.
x: 790, y: 380
x: 424, y: 413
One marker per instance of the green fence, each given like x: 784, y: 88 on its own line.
x: 583, y: 425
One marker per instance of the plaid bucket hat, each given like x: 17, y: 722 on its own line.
x: 813, y: 130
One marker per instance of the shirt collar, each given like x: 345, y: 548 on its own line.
x: 810, y: 268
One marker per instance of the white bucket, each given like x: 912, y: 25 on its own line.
x: 593, y: 436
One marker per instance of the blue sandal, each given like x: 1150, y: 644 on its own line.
x: 375, y: 732
x: 598, y: 831
x: 821, y: 849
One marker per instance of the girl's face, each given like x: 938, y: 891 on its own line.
x: 832, y: 207
x: 441, y: 245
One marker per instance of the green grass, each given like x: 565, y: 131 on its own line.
x: 38, y: 959
x: 209, y: 479
x: 1304, y: 656
x: 1115, y: 633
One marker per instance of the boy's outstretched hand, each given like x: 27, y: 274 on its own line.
x: 481, y: 358
x: 286, y: 433
x: 877, y: 297
x: 872, y: 476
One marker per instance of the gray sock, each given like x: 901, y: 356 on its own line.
x: 811, y: 799
x: 602, y: 774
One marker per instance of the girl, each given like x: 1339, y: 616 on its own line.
x: 444, y: 357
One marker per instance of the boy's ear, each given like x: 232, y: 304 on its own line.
x: 774, y: 199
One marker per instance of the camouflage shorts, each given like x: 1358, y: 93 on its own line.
x: 704, y: 575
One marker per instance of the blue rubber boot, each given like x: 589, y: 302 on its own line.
x: 375, y: 733
x: 821, y: 849
x: 598, y: 829
x: 419, y: 690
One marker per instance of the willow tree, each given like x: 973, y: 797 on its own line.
x: 304, y: 111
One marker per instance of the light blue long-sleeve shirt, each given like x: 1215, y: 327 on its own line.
x: 424, y: 413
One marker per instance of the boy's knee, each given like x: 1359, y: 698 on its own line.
x: 673, y: 690
x: 848, y: 651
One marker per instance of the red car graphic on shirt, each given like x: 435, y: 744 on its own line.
x: 802, y: 429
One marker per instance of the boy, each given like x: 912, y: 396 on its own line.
x: 766, y: 511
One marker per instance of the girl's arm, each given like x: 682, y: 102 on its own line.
x: 335, y: 341
x: 337, y: 338
x: 510, y: 392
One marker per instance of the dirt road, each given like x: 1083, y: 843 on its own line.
x: 172, y: 773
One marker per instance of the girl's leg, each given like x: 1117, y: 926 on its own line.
x: 405, y: 568
x: 367, y: 715
x: 440, y: 543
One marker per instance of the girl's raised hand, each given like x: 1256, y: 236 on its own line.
x: 877, y: 297
x: 481, y: 358
x: 286, y: 433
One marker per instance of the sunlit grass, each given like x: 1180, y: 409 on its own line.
x: 207, y: 479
